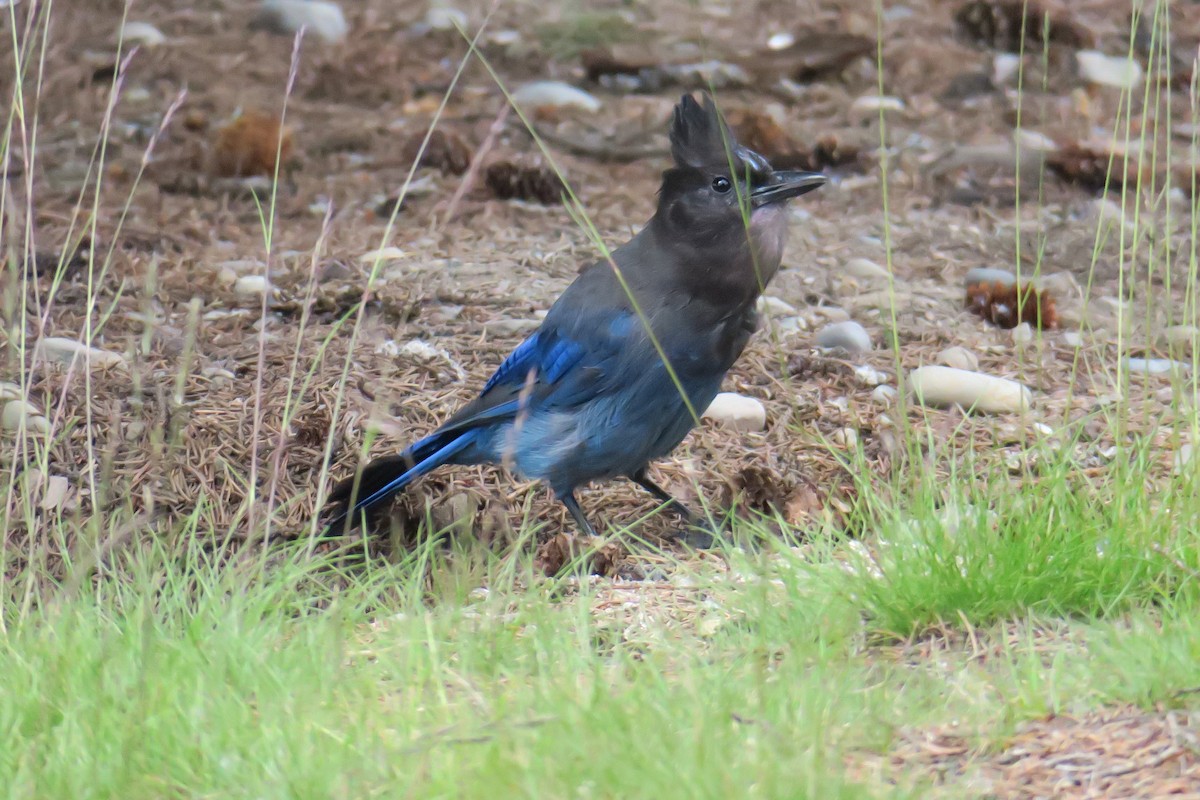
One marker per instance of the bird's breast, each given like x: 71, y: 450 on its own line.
x: 768, y: 233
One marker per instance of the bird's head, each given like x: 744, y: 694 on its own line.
x: 717, y: 192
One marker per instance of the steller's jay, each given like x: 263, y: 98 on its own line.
x: 587, y: 396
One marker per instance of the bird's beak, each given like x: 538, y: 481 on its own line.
x: 787, y: 185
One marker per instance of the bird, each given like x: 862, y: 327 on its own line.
x: 634, y: 349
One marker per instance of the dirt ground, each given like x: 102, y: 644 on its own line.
x: 210, y: 391
x: 174, y: 286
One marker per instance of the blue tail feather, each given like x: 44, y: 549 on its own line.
x: 384, y: 477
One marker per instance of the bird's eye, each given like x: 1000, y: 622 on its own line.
x: 721, y: 184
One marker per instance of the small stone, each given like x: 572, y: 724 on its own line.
x: 1119, y: 72
x: 980, y: 275
x: 18, y: 413
x: 848, y: 336
x: 382, y: 254
x: 1072, y: 339
x: 869, y: 376
x: 251, y: 286
x: 790, y: 325
x: 65, y: 351
x: 1181, y: 338
x: 1004, y: 67
x: 845, y: 437
x: 1034, y: 141
x: 554, y: 94
x: 286, y: 17
x: 870, y: 104
x: 973, y: 391
x: 445, y: 18
x: 959, y: 358
x: 142, y: 33
x: 884, y: 395
x: 1155, y: 366
x: 737, y: 411
x: 781, y: 41
x: 1022, y: 334
x: 866, y: 269
x: 10, y: 391
x: 55, y: 494
x: 774, y: 307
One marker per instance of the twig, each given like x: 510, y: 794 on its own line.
x: 468, y: 179
x: 1162, y: 551
x: 602, y: 151
x: 490, y: 732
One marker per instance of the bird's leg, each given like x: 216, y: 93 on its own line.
x: 697, y: 532
x: 568, y: 500
x: 643, y: 480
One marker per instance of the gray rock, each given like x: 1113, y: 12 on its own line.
x: 849, y: 336
x: 959, y: 358
x: 65, y: 351
x: 774, y: 307
x: 21, y: 413
x: 285, y: 17
x: 1155, y: 366
x: 989, y: 275
x: 737, y: 411
x: 973, y: 391
x: 866, y: 269
x: 142, y: 33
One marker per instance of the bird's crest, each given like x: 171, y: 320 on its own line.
x: 699, y: 136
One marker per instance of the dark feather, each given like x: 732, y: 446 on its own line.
x: 699, y: 136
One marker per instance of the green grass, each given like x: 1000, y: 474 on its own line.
x: 181, y: 677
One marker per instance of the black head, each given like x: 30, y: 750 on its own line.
x: 717, y: 186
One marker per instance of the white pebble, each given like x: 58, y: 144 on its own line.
x: 142, y: 33
x: 251, y: 286
x: 1155, y: 366
x: 55, y: 494
x: 737, y: 411
x: 10, y: 391
x: 65, y: 351
x: 989, y: 275
x: 1120, y: 72
x: 382, y: 254
x: 845, y: 437
x: 18, y: 413
x: 865, y: 268
x: 869, y: 376
x: 1004, y: 67
x: 1072, y: 339
x: 445, y: 18
x: 1022, y: 334
x: 774, y: 307
x: 1034, y: 141
x: 873, y: 104
x: 554, y: 94
x: 945, y: 386
x: 781, y: 41
x: 884, y: 395
x: 321, y: 19
x: 959, y: 358
x: 849, y: 336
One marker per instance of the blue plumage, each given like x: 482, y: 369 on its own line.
x: 588, y: 396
